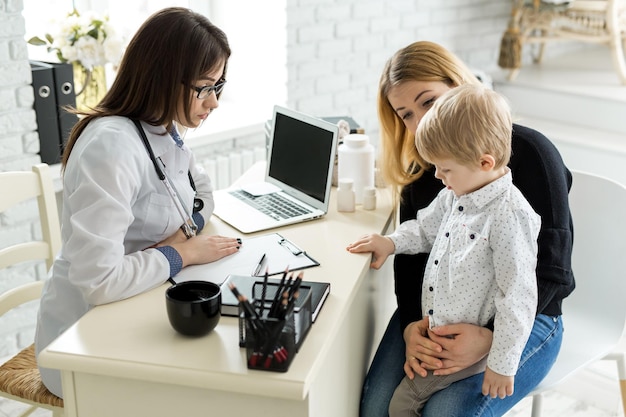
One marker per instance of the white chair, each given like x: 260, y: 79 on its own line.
x: 19, y: 376
x: 595, y: 313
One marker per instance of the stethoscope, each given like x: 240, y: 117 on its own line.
x: 189, y: 227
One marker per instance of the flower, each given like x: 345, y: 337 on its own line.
x: 86, y: 39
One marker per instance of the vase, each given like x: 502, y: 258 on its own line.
x: 90, y: 86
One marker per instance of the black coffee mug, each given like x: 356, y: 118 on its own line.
x: 193, y: 307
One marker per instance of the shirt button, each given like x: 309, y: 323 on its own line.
x: 447, y: 234
x: 436, y: 262
x: 431, y: 289
x: 430, y: 312
x: 472, y: 236
x: 460, y: 208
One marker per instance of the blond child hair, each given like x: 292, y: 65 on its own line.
x: 465, y: 123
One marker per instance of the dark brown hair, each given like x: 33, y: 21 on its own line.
x: 171, y: 50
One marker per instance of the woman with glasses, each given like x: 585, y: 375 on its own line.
x: 412, y: 80
x: 134, y: 198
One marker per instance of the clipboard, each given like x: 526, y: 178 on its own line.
x: 279, y: 252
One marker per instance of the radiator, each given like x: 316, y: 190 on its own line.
x: 225, y: 169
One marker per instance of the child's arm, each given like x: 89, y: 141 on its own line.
x: 496, y: 385
x: 380, y: 247
x: 412, y: 236
x: 514, y: 249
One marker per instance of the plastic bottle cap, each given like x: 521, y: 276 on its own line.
x: 356, y: 140
x: 346, y: 183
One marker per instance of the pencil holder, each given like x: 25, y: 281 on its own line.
x: 272, y: 342
x: 273, y: 348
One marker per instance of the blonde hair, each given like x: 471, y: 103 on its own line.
x: 400, y: 162
x: 464, y: 124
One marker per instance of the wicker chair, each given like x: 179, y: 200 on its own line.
x: 19, y: 376
x: 590, y: 21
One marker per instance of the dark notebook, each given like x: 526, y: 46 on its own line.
x: 230, y: 305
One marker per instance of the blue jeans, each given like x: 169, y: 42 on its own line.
x: 462, y: 398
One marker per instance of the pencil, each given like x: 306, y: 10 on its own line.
x: 296, y: 284
x: 243, y: 301
x: 264, y: 291
x: 274, y: 304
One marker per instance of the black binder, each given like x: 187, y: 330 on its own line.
x: 54, y: 90
x: 66, y: 96
x: 46, y: 111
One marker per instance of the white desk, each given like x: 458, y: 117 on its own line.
x: 124, y: 359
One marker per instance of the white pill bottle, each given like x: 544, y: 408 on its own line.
x: 356, y: 160
x: 345, y: 195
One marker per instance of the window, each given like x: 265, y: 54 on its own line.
x: 257, y: 74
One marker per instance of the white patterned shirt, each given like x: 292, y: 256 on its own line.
x: 483, y: 255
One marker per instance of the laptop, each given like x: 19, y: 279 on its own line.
x: 297, y: 180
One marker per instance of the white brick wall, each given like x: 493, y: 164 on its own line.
x: 19, y: 147
x: 336, y: 50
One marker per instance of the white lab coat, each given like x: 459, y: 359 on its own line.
x: 115, y: 207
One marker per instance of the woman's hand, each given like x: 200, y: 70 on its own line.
x: 380, y: 246
x: 203, y: 249
x: 463, y: 345
x: 421, y: 352
x: 444, y: 349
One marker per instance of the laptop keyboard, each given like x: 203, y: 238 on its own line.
x: 274, y: 205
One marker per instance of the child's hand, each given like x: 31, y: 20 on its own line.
x: 380, y: 246
x: 496, y: 385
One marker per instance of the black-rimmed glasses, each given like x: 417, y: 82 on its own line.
x: 204, y: 92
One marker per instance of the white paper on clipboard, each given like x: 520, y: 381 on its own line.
x: 280, y: 253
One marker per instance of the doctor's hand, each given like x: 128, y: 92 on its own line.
x: 203, y: 249
x: 380, y: 247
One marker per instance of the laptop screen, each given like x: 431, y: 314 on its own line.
x: 302, y: 153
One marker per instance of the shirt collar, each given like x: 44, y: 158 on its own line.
x: 485, y: 195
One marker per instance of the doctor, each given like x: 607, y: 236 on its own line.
x: 130, y: 213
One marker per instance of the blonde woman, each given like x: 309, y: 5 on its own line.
x: 413, y: 79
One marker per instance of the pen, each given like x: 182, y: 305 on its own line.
x: 258, y: 267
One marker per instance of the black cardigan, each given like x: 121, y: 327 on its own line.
x: 540, y: 174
